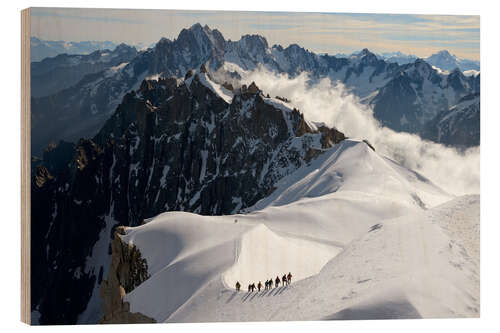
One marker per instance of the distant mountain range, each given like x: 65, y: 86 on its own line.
x: 442, y: 60
x: 41, y: 49
x: 64, y: 70
x: 404, y: 97
x: 445, y: 61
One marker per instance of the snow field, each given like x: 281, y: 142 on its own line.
x: 353, y: 229
x: 264, y: 255
x: 401, y: 268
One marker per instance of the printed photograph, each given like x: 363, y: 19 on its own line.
x: 221, y: 166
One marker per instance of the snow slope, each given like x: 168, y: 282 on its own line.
x: 219, y: 90
x: 408, y: 267
x: 352, y: 227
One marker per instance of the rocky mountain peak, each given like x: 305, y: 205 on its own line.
x: 365, y: 52
x: 122, y: 46
x: 163, y: 40
x: 295, y: 49
x: 197, y: 27
x: 368, y: 58
x: 205, y: 37
x: 203, y: 69
x: 446, y: 61
x: 254, y: 43
x: 422, y: 68
x: 444, y: 53
x: 252, y: 88
x: 278, y: 47
x: 365, y: 58
x: 457, y: 80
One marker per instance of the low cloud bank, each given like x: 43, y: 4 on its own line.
x: 325, y: 101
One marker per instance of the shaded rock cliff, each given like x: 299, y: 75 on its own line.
x: 128, y: 270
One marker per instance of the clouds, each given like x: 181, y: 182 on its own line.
x: 456, y: 172
x: 331, y: 33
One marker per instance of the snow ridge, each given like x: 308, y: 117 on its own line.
x: 350, y: 219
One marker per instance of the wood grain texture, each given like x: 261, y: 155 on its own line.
x: 25, y: 168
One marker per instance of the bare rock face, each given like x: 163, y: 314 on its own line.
x: 228, y: 86
x: 128, y: 270
x: 42, y: 176
x: 330, y: 136
x: 253, y: 89
x: 203, y: 69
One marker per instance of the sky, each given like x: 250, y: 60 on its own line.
x: 332, y: 33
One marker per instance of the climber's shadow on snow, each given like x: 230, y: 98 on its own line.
x: 254, y: 295
x: 277, y: 291
x: 246, y: 296
x: 251, y: 295
x: 264, y: 293
x: 281, y: 290
x: 233, y: 295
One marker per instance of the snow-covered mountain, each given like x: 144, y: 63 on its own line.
x: 419, y: 97
x: 442, y: 60
x: 52, y: 75
x: 393, y: 57
x: 419, y: 93
x: 445, y: 61
x: 91, y: 101
x: 364, y: 238
x: 40, y: 49
x: 191, y: 145
x: 177, y: 132
x: 460, y: 125
x: 398, y: 57
x: 176, y: 180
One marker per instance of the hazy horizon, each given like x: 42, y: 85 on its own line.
x: 332, y: 33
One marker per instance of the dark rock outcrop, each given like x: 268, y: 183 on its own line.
x: 127, y: 270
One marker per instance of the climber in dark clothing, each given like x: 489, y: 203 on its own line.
x: 249, y: 288
x: 289, y: 277
x: 284, y: 280
x: 266, y: 285
x: 277, y: 282
x: 259, y: 286
x: 238, y: 285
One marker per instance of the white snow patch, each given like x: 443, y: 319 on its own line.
x: 343, y: 200
x: 113, y: 70
x: 204, y: 155
x: 471, y: 72
x: 219, y: 90
x: 278, y: 104
x: 440, y: 71
x: 264, y: 255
